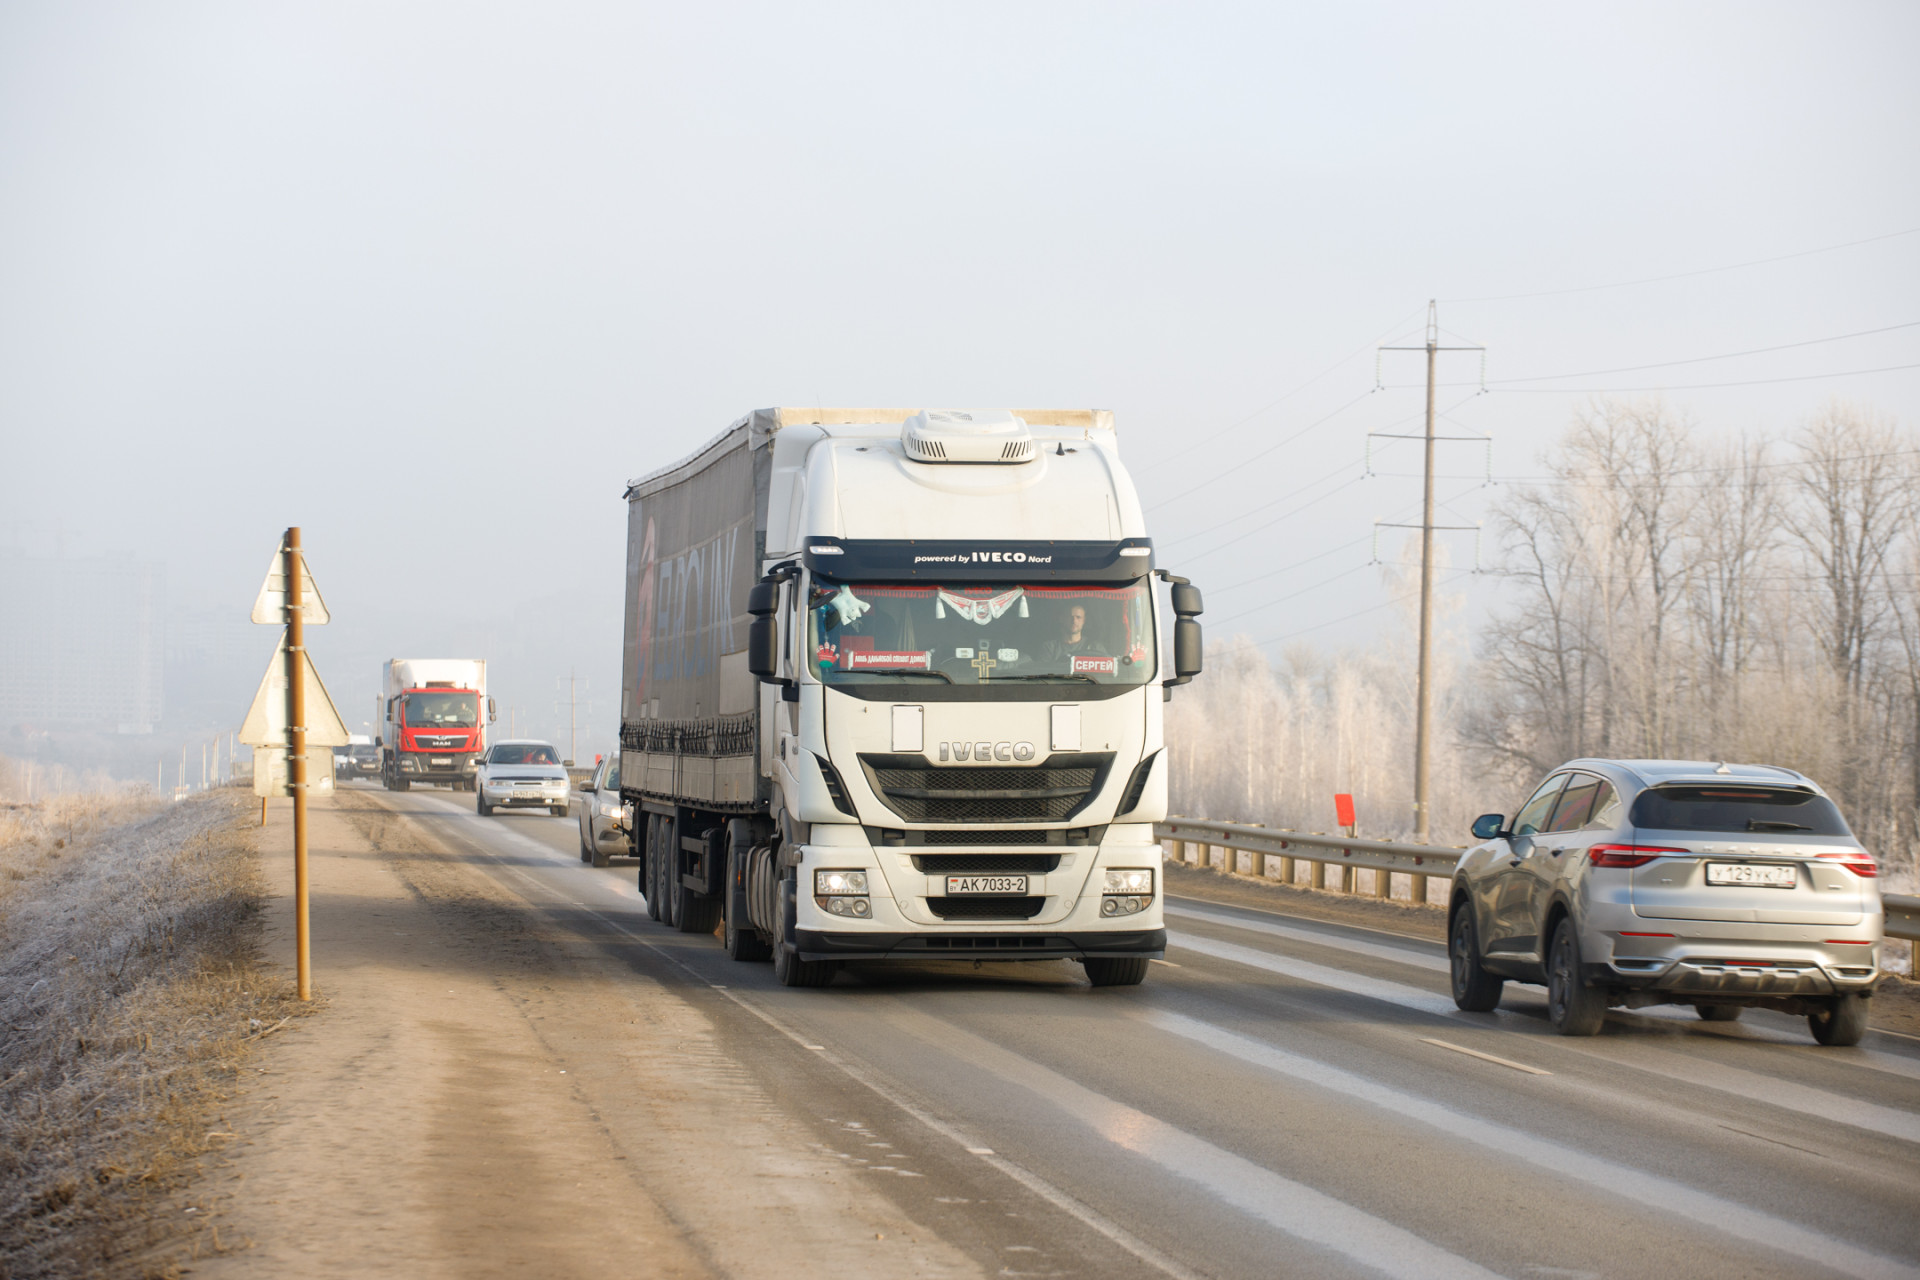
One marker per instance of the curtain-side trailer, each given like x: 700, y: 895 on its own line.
x: 892, y: 687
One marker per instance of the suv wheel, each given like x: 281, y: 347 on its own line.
x: 1474, y: 989
x: 1841, y: 1023
x: 1574, y: 1008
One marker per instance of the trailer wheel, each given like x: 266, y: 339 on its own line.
x: 789, y: 970
x: 650, y: 865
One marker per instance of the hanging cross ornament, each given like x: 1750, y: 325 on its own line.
x: 984, y: 663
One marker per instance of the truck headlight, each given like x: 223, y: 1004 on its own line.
x: 408, y: 762
x: 829, y: 882
x: 842, y: 893
x: 1126, y: 891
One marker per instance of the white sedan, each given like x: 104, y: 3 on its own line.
x: 522, y: 773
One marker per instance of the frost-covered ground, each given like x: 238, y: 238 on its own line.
x: 128, y: 990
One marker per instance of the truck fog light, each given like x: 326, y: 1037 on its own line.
x: 1123, y: 904
x: 834, y: 882
x: 858, y: 908
x: 1129, y: 880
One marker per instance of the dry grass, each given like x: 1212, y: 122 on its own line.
x: 129, y: 988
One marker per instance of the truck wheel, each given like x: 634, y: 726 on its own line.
x: 1841, y: 1023
x: 789, y: 970
x: 742, y: 940
x: 402, y: 784
x: 1115, y: 971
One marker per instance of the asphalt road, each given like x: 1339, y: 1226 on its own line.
x: 1283, y: 1097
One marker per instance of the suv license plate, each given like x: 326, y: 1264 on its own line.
x: 1746, y: 873
x: 986, y: 884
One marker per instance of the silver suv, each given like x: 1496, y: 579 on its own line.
x: 1639, y: 882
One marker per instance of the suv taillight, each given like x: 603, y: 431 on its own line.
x: 1861, y: 864
x: 1628, y: 855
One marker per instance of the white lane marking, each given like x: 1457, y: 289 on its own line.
x: 1805, y: 1099
x: 1872, y: 1059
x: 1379, y: 951
x: 1291, y: 1207
x: 1320, y: 974
x: 1753, y: 1085
x: 1486, y: 1057
x: 1083, y: 1213
x: 1632, y: 1184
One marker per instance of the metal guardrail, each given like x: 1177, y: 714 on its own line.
x: 1193, y: 841
x: 1330, y: 856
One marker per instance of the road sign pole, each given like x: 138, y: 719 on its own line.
x: 297, y: 759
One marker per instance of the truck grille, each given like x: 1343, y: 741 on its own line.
x: 1049, y: 792
x: 986, y: 908
x: 988, y: 863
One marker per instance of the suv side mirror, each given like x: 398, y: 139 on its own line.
x: 1489, y: 825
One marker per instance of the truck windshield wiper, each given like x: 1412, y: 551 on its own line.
x: 1768, y: 824
x: 935, y: 675
x: 1036, y: 675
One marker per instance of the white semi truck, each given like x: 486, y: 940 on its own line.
x: 435, y: 713
x: 892, y: 689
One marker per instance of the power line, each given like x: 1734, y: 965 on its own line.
x: 1687, y: 275
x: 1384, y: 604
x: 1274, y: 404
x: 1189, y: 537
x: 1268, y: 603
x: 1264, y: 452
x: 1731, y: 355
x: 1671, y: 386
x: 1285, y: 515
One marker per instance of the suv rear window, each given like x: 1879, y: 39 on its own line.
x: 1738, y: 809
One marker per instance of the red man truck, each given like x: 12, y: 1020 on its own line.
x: 435, y: 719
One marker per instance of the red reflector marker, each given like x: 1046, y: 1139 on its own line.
x: 1849, y: 942
x: 1628, y: 855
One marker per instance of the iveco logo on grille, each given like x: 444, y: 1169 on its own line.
x: 981, y: 752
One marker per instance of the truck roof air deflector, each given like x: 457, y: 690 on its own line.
x: 990, y: 436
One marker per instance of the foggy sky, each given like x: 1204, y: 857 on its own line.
x: 432, y: 281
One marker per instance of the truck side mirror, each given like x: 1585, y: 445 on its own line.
x: 490, y: 715
x: 763, y: 599
x: 763, y: 646
x: 1186, y: 649
x: 1186, y: 602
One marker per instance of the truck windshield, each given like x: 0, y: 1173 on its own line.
x: 442, y: 710
x: 978, y: 634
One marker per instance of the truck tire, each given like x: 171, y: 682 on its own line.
x: 789, y: 970
x: 402, y: 784
x: 742, y: 940
x: 650, y: 865
x: 1115, y: 971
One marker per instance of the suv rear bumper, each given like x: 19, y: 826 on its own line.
x: 1731, y: 978
x: 814, y: 944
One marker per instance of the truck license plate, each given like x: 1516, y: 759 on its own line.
x: 1766, y: 877
x: 986, y: 884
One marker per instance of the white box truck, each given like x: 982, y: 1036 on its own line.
x: 435, y: 715
x: 892, y: 689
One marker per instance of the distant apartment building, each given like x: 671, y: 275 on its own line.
x: 82, y: 643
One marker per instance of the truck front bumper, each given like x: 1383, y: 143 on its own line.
x: 822, y: 945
